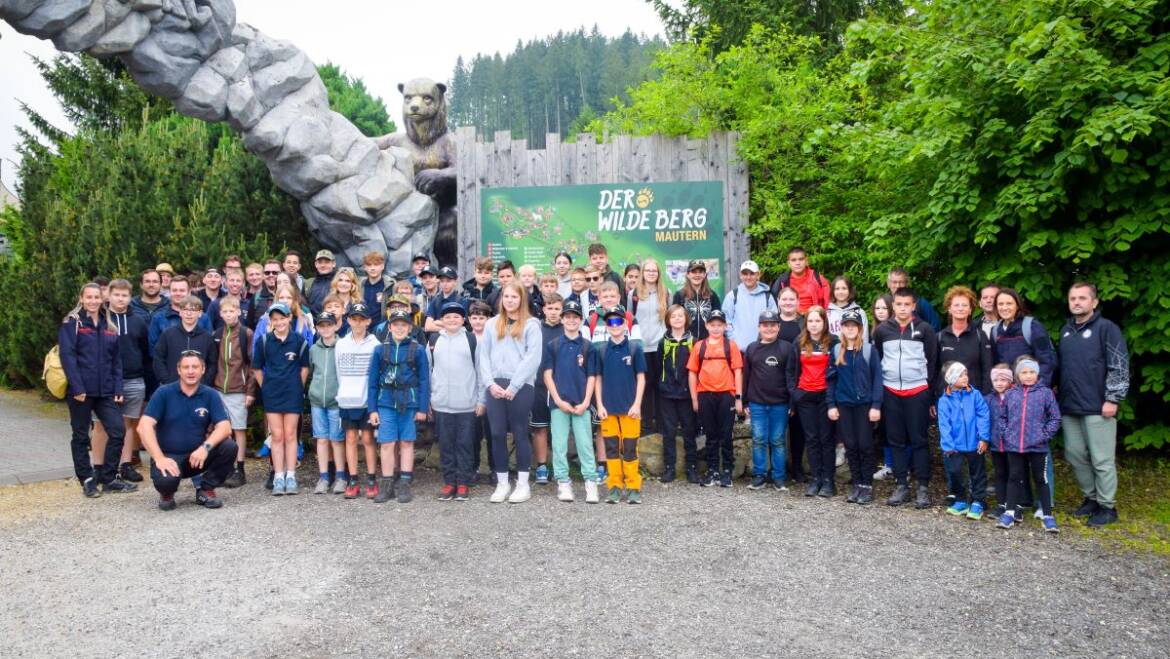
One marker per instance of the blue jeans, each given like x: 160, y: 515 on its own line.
x: 769, y: 422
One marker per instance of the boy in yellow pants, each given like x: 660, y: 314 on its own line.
x: 620, y: 368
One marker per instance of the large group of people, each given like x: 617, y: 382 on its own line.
x: 605, y: 357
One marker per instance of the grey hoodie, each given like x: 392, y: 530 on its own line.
x: 508, y: 359
x: 455, y: 387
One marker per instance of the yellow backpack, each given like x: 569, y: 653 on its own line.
x: 54, y: 374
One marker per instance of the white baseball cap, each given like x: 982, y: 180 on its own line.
x: 750, y: 266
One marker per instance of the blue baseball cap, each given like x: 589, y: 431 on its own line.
x: 279, y: 307
x: 452, y: 307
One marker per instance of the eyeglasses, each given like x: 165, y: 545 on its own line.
x: 191, y: 353
x: 615, y: 322
x: 271, y: 273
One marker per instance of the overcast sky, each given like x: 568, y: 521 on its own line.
x: 381, y: 42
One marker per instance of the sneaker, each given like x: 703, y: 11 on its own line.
x: 812, y: 489
x: 447, y: 493
x: 900, y: 496
x: 1087, y: 508
x: 1038, y: 514
x: 883, y: 473
x: 853, y: 492
x: 998, y: 511
x: 119, y: 486
x: 634, y: 497
x: 1049, y: 523
x: 166, y: 502
x: 90, y: 489
x: 614, y: 496
x: 371, y: 490
x: 591, y: 492
x: 565, y: 491
x: 501, y: 493
x: 864, y: 494
x: 290, y: 484
x: 352, y: 490
x: 602, y: 473
x: 1006, y: 521
x: 779, y: 486
x: 542, y: 475
x: 339, y: 485
x: 975, y: 512
x: 668, y: 474
x: 235, y: 479
x: 277, y: 486
x: 322, y: 486
x: 404, y: 493
x: 725, y: 479
x: 693, y: 475
x: 205, y: 497
x: 520, y: 494
x: 958, y: 508
x: 840, y: 462
x: 923, y: 500
x: 129, y: 474
x: 758, y: 483
x: 828, y: 488
x: 461, y: 493
x: 949, y: 500
x: 1103, y: 517
x: 710, y: 480
x: 385, y: 491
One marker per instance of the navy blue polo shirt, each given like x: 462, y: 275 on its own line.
x: 183, y: 421
x: 282, y: 362
x: 569, y: 366
x: 372, y: 294
x: 618, y: 371
x: 435, y: 307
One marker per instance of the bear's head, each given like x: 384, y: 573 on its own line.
x: 424, y: 110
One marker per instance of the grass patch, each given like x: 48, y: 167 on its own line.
x: 1143, y: 493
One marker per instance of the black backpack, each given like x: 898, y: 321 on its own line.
x: 435, y: 339
x: 726, y: 351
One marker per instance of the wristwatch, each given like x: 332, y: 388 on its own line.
x: 737, y: 397
x: 207, y: 446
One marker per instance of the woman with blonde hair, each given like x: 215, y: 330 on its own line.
x: 648, y: 302
x: 299, y: 321
x: 509, y: 358
x: 345, y: 286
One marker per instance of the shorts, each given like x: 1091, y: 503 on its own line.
x: 395, y: 426
x: 133, y: 398
x: 327, y: 424
x: 237, y: 411
x: 540, y: 409
x: 620, y: 425
x: 355, y: 419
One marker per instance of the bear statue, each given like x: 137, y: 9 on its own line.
x: 424, y: 114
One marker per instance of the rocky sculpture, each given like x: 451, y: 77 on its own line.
x: 427, y: 140
x: 355, y: 196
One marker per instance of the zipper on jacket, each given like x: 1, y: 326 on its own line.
x: 1024, y: 418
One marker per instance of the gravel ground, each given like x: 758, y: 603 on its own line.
x: 693, y: 572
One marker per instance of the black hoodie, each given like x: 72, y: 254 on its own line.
x: 1094, y: 365
x: 132, y: 344
x: 170, y: 347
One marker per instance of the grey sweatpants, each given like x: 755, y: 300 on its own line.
x: 1090, y: 444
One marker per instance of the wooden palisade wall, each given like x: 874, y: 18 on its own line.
x: 626, y: 160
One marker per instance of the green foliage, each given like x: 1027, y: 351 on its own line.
x: 541, y: 86
x: 1020, y: 141
x: 348, y: 96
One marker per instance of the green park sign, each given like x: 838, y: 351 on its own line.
x: 671, y: 222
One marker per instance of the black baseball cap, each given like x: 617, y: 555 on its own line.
x: 452, y: 307
x: 769, y: 316
x: 421, y: 256
x: 573, y: 307
x: 428, y: 270
x: 697, y: 264
x: 717, y: 314
x: 619, y: 310
x: 326, y: 318
x: 359, y: 309
x: 853, y: 316
x: 447, y: 272
x: 404, y: 316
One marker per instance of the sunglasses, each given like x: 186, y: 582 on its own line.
x: 271, y: 273
x: 593, y: 279
x: 615, y: 322
x: 191, y: 353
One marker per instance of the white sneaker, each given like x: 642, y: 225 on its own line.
x: 840, y: 456
x: 565, y: 491
x: 1039, y: 514
x: 591, y: 492
x: 521, y: 494
x: 501, y: 493
x: 883, y: 473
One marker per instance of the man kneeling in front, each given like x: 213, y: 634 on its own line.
x: 187, y: 432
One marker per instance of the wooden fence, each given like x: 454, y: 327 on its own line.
x: 505, y: 162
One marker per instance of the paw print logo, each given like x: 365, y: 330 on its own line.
x: 645, y: 198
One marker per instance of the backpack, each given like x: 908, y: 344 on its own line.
x: 431, y: 345
x: 1025, y: 331
x: 54, y: 372
x: 785, y: 280
x: 586, y: 346
x: 594, y: 317
x: 866, y: 352
x: 726, y: 351
x: 411, y: 351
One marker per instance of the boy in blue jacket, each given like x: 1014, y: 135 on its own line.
x: 964, y: 430
x: 399, y: 395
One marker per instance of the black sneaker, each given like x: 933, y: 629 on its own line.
x: 668, y: 474
x: 119, y: 485
x: 90, y: 488
x: 404, y: 494
x: 237, y: 479
x: 1087, y: 508
x: 853, y: 494
x: 128, y: 473
x: 268, y: 483
x: 725, y: 479
x: 779, y: 485
x: 1103, y: 517
x: 864, y: 494
x: 828, y: 488
x: 710, y: 480
x: 692, y: 474
x: 758, y: 483
x: 900, y: 496
x: 813, y: 488
x: 206, y: 497
x: 998, y: 511
x: 923, y: 500
x: 166, y: 502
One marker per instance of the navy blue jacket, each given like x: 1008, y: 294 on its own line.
x: 133, y: 344
x: 168, y: 317
x: 171, y: 345
x: 1008, y: 344
x: 91, y: 356
x: 1094, y: 366
x: 854, y: 383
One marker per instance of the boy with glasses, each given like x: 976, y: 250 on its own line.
x: 185, y: 338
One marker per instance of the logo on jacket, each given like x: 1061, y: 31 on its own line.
x: 772, y: 361
x: 201, y: 412
x: 580, y: 360
x: 1087, y: 333
x: 290, y: 356
x: 628, y: 359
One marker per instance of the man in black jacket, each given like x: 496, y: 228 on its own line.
x: 317, y: 287
x: 1094, y: 379
x: 182, y: 339
x: 769, y: 378
x: 135, y: 351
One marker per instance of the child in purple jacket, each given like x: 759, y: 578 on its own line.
x: 1002, y: 380
x: 1028, y: 420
